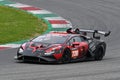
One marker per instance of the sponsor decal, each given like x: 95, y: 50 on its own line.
x: 75, y: 54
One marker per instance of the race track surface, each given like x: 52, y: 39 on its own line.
x: 89, y: 14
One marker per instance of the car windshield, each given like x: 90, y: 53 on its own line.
x: 51, y: 38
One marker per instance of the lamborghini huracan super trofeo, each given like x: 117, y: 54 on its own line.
x: 63, y: 47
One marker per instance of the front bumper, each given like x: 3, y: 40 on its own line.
x: 35, y: 58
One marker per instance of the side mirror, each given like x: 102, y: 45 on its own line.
x: 75, y: 44
x: 84, y: 33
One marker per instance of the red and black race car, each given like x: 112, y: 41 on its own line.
x: 64, y: 47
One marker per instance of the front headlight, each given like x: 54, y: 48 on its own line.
x: 20, y: 50
x: 49, y: 53
x: 54, y: 50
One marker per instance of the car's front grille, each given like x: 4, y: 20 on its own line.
x: 40, y: 52
x: 30, y: 58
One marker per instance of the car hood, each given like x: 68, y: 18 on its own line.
x: 39, y: 45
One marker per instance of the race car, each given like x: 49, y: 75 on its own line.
x: 64, y: 47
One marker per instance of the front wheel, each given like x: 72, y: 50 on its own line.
x: 66, y: 58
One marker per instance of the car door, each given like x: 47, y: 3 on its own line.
x: 76, y: 47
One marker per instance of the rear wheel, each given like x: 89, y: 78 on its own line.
x: 99, y: 53
x: 66, y: 57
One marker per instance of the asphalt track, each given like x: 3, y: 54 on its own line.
x: 90, y: 14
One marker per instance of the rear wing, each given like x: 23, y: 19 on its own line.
x: 85, y: 31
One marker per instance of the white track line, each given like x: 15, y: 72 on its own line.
x: 11, y: 45
x: 61, y: 26
x: 18, y: 5
x: 40, y: 12
x: 54, y: 18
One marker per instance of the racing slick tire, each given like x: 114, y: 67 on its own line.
x: 66, y: 57
x: 100, y: 52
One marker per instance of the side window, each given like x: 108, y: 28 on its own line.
x: 83, y: 38
x: 77, y: 39
x: 74, y: 39
x: 70, y: 41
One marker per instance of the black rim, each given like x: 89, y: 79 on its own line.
x: 66, y: 57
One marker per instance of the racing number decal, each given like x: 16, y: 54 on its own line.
x: 75, y: 53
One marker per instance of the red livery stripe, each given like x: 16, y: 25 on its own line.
x: 30, y: 8
x: 58, y: 56
x: 58, y: 22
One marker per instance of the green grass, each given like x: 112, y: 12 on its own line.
x: 16, y: 25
